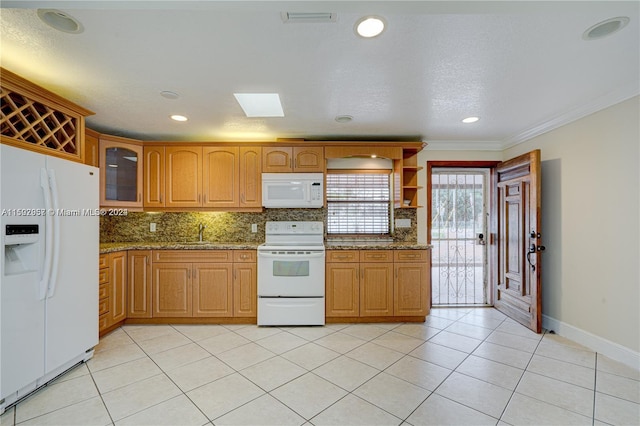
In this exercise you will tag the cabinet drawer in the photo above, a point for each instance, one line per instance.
(411, 255)
(103, 261)
(199, 256)
(103, 291)
(103, 276)
(103, 322)
(376, 256)
(103, 306)
(244, 256)
(342, 256)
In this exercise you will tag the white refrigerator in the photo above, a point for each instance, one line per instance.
(49, 226)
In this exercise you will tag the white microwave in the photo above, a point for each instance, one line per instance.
(293, 190)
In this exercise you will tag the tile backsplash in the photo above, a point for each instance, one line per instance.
(219, 226)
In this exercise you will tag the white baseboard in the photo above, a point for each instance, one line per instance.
(593, 342)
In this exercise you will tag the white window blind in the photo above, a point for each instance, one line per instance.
(358, 203)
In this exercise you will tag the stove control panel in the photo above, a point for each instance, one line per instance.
(293, 228)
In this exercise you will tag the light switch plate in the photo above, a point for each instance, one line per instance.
(403, 223)
(152, 227)
(254, 227)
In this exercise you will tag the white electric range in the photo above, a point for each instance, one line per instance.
(291, 274)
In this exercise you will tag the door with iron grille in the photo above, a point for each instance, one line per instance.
(459, 216)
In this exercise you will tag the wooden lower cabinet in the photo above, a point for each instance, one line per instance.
(146, 284)
(103, 293)
(139, 284)
(411, 286)
(377, 283)
(376, 289)
(172, 290)
(212, 290)
(118, 293)
(112, 299)
(245, 298)
(342, 295)
(204, 283)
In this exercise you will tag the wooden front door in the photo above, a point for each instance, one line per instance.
(517, 292)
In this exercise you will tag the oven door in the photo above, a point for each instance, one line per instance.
(290, 272)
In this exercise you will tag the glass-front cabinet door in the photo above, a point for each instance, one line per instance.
(120, 173)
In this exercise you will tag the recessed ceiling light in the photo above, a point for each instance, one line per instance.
(60, 21)
(469, 120)
(343, 118)
(177, 117)
(260, 104)
(169, 95)
(605, 28)
(370, 26)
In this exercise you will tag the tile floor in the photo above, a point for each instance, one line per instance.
(462, 366)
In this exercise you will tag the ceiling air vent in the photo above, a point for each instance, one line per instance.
(308, 17)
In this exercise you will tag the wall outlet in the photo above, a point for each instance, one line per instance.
(254, 227)
(403, 223)
(152, 227)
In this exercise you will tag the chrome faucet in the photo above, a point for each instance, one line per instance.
(200, 231)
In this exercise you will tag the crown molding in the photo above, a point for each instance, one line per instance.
(598, 104)
(443, 145)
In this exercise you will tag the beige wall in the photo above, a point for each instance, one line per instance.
(591, 222)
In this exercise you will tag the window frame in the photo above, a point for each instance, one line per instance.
(390, 203)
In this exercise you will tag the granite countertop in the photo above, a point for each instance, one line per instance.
(374, 245)
(208, 245)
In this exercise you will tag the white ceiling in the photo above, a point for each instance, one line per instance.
(520, 66)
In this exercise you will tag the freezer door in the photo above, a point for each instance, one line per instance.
(21, 310)
(72, 305)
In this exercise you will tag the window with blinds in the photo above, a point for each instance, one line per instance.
(358, 202)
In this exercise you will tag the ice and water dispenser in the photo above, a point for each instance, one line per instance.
(21, 247)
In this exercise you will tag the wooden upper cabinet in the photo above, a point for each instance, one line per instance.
(120, 172)
(293, 159)
(308, 159)
(277, 159)
(154, 176)
(91, 148)
(36, 119)
(183, 176)
(250, 177)
(220, 174)
(213, 177)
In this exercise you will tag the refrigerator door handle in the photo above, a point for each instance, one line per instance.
(48, 239)
(56, 233)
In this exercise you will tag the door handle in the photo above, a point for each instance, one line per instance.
(532, 249)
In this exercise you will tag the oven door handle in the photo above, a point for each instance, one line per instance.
(313, 255)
